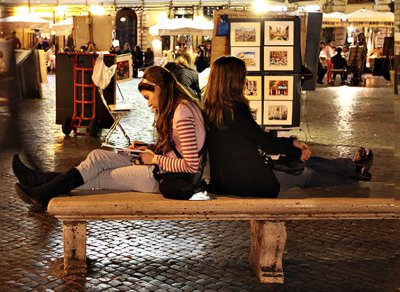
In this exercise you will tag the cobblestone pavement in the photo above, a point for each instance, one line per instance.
(204, 256)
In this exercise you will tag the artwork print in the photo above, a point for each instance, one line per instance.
(279, 33)
(278, 112)
(278, 58)
(253, 88)
(245, 34)
(256, 106)
(278, 87)
(124, 68)
(250, 55)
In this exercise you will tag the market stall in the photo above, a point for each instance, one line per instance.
(188, 30)
(24, 24)
(63, 27)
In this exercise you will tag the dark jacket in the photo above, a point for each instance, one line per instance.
(236, 168)
(187, 77)
(338, 62)
(137, 57)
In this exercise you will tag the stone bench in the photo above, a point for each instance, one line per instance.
(266, 216)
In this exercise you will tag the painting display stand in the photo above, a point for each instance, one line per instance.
(270, 47)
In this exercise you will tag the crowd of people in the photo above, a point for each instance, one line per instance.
(335, 60)
(237, 147)
(197, 61)
(331, 57)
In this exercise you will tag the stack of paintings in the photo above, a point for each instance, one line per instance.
(267, 47)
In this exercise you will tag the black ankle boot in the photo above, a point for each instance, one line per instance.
(40, 196)
(29, 177)
(364, 163)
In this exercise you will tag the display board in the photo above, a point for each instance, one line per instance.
(271, 49)
(93, 28)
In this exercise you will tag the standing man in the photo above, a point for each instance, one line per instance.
(16, 43)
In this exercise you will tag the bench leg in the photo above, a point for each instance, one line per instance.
(74, 234)
(268, 239)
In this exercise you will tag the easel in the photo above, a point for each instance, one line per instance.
(356, 60)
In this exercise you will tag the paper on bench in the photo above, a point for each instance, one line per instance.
(122, 150)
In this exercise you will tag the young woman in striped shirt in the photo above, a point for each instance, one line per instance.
(179, 124)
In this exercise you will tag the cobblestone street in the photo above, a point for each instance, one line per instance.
(357, 255)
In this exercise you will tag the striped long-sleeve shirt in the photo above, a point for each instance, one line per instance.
(188, 134)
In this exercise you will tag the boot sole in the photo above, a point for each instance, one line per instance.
(370, 157)
(24, 197)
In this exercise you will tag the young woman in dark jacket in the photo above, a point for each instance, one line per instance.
(235, 141)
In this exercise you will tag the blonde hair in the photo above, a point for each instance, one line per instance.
(185, 61)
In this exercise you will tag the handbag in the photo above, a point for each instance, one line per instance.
(181, 185)
(283, 163)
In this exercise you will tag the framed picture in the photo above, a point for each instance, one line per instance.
(278, 58)
(250, 55)
(278, 87)
(124, 68)
(245, 34)
(256, 105)
(253, 88)
(278, 33)
(278, 112)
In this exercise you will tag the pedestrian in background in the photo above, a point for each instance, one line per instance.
(148, 58)
(184, 72)
(137, 60)
(329, 52)
(126, 49)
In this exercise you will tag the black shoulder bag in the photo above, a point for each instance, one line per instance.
(181, 185)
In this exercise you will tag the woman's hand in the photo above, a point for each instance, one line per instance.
(139, 145)
(305, 150)
(148, 157)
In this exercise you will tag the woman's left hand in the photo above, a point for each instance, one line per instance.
(305, 150)
(147, 156)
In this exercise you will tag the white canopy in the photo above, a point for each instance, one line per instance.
(334, 19)
(364, 15)
(63, 27)
(25, 21)
(182, 26)
(369, 18)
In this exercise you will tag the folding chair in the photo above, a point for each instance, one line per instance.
(101, 77)
(117, 111)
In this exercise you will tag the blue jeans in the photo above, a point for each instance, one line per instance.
(319, 172)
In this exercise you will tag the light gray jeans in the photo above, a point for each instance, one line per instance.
(108, 170)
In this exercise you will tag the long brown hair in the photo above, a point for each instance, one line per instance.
(225, 87)
(171, 94)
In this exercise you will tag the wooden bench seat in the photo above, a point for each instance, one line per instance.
(266, 216)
